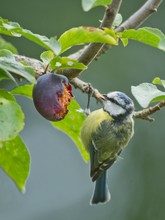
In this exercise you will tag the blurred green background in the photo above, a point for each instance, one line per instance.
(59, 186)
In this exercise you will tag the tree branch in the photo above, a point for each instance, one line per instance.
(87, 88)
(144, 114)
(88, 54)
(37, 65)
(140, 15)
(135, 20)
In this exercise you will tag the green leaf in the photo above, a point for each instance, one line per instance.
(151, 36)
(83, 35)
(49, 44)
(65, 62)
(15, 161)
(8, 63)
(11, 117)
(4, 74)
(47, 56)
(118, 20)
(6, 45)
(25, 90)
(9, 28)
(89, 4)
(71, 125)
(146, 93)
(124, 41)
(6, 95)
(14, 29)
(158, 81)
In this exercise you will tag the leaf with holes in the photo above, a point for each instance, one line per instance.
(65, 62)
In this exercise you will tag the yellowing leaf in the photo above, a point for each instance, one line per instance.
(83, 35)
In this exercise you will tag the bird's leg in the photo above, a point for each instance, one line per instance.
(90, 93)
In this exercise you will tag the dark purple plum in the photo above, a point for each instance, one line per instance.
(51, 95)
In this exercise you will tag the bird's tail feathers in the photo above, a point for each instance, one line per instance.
(101, 192)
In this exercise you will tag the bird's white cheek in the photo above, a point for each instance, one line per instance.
(114, 109)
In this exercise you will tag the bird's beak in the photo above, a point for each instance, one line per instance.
(105, 96)
(100, 97)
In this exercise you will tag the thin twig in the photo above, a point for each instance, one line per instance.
(140, 15)
(145, 113)
(84, 87)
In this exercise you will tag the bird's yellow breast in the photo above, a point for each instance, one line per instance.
(91, 123)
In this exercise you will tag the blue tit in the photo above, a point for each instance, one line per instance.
(105, 132)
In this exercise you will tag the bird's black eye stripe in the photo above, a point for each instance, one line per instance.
(113, 101)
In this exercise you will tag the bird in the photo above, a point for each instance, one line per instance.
(105, 133)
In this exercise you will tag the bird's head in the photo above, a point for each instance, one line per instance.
(118, 105)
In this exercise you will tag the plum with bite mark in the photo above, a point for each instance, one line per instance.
(51, 95)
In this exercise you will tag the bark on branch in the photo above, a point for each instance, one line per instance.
(145, 113)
